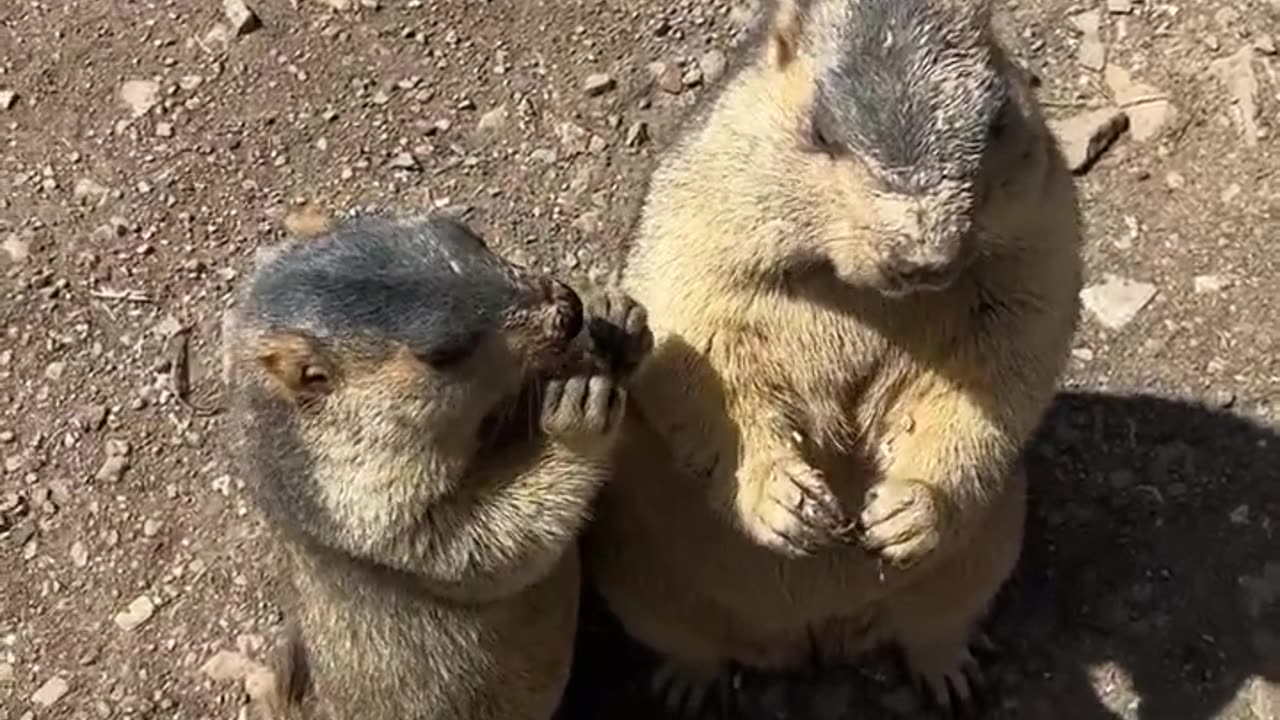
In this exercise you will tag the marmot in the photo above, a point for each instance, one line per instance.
(424, 428)
(861, 265)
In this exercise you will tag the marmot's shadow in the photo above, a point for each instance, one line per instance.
(1151, 561)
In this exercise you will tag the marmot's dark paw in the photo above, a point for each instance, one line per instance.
(583, 410)
(793, 511)
(619, 326)
(953, 681)
(901, 521)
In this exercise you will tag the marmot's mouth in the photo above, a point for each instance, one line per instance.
(513, 419)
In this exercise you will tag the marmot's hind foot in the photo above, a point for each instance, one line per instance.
(686, 692)
(953, 681)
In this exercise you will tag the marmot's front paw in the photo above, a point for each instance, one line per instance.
(620, 328)
(790, 508)
(583, 412)
(901, 520)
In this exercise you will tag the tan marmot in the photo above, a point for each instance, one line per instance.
(861, 266)
(423, 427)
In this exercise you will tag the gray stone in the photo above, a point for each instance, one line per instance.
(1117, 300)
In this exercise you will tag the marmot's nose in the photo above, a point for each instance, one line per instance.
(566, 308)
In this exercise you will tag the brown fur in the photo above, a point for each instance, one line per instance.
(855, 447)
(428, 535)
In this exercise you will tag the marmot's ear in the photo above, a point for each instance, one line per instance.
(785, 28)
(297, 364)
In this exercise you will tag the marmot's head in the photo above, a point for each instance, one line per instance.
(911, 135)
(383, 354)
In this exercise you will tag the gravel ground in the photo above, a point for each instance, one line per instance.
(149, 147)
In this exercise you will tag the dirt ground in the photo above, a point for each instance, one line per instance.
(144, 154)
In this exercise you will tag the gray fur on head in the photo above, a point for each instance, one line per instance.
(428, 283)
(912, 85)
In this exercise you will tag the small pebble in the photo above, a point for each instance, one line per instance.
(79, 554)
(713, 64)
(404, 161)
(1204, 284)
(54, 689)
(139, 611)
(140, 96)
(598, 84)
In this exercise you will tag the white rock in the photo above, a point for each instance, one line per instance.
(242, 17)
(713, 64)
(79, 554)
(138, 612)
(1204, 284)
(495, 119)
(1148, 107)
(90, 190)
(337, 4)
(598, 84)
(14, 250)
(1092, 54)
(54, 689)
(1236, 74)
(1117, 300)
(8, 98)
(6, 672)
(140, 96)
(226, 665)
(1084, 137)
(404, 161)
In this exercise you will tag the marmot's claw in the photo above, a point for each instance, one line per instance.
(797, 514)
(582, 410)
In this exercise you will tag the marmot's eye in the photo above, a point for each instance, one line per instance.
(820, 138)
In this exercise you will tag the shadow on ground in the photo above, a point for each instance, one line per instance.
(1151, 560)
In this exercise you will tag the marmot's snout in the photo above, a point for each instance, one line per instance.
(546, 322)
(926, 245)
(564, 312)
